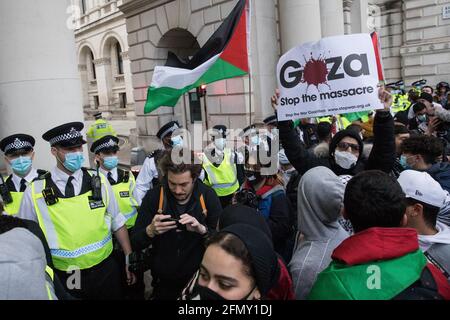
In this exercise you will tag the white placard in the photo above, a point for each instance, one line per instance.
(335, 75)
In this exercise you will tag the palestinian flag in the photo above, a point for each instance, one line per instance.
(223, 56)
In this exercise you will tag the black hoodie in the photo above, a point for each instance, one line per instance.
(382, 156)
(175, 255)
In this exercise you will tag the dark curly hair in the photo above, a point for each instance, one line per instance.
(374, 199)
(167, 164)
(428, 147)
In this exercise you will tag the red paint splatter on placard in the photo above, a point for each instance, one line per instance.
(315, 72)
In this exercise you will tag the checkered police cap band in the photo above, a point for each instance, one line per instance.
(170, 130)
(110, 144)
(18, 145)
(72, 134)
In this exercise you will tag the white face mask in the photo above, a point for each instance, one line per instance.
(220, 143)
(345, 160)
(287, 174)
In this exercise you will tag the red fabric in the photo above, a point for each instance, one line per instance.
(263, 190)
(283, 290)
(236, 51)
(441, 281)
(376, 244)
(377, 48)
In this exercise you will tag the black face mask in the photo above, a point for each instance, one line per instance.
(203, 293)
(254, 178)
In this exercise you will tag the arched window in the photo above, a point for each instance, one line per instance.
(119, 59)
(94, 74)
(83, 6)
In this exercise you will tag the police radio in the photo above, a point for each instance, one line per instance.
(4, 191)
(50, 196)
(96, 186)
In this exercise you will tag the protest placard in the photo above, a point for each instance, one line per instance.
(335, 75)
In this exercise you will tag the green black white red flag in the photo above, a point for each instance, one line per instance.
(224, 56)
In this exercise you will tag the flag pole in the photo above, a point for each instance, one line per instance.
(250, 96)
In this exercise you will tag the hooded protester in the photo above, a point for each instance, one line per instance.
(23, 273)
(346, 147)
(318, 214)
(263, 180)
(424, 198)
(239, 264)
(382, 260)
(235, 214)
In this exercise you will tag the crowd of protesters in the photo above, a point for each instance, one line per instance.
(344, 210)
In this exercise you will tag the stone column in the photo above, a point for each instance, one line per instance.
(39, 81)
(264, 57)
(104, 80)
(332, 17)
(359, 16)
(299, 22)
(127, 77)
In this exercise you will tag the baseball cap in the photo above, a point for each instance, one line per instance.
(422, 187)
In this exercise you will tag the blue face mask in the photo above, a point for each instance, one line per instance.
(404, 164)
(111, 162)
(422, 118)
(21, 165)
(74, 161)
(177, 141)
(255, 140)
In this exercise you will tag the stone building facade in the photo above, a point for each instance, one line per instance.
(103, 62)
(415, 38)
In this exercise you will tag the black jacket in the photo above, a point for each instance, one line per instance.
(175, 255)
(382, 156)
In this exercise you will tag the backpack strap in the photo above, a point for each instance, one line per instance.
(161, 200)
(202, 203)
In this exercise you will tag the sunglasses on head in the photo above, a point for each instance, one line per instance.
(345, 146)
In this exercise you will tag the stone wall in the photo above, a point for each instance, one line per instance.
(426, 48)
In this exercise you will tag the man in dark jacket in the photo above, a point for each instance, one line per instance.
(346, 147)
(381, 261)
(424, 153)
(174, 220)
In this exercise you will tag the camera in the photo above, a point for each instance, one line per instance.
(139, 262)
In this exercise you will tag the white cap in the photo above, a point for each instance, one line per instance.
(422, 187)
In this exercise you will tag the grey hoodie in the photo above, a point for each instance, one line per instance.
(22, 267)
(320, 198)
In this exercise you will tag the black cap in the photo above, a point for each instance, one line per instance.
(443, 84)
(272, 120)
(167, 129)
(105, 144)
(419, 83)
(98, 115)
(221, 129)
(260, 248)
(17, 142)
(426, 96)
(239, 213)
(66, 135)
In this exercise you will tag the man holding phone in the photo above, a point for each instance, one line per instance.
(182, 212)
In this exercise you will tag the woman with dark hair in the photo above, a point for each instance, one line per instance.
(239, 264)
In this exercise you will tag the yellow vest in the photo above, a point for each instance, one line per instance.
(12, 209)
(223, 179)
(128, 205)
(77, 229)
(100, 129)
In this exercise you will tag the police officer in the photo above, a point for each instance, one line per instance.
(220, 165)
(19, 154)
(124, 186)
(148, 175)
(77, 212)
(100, 128)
